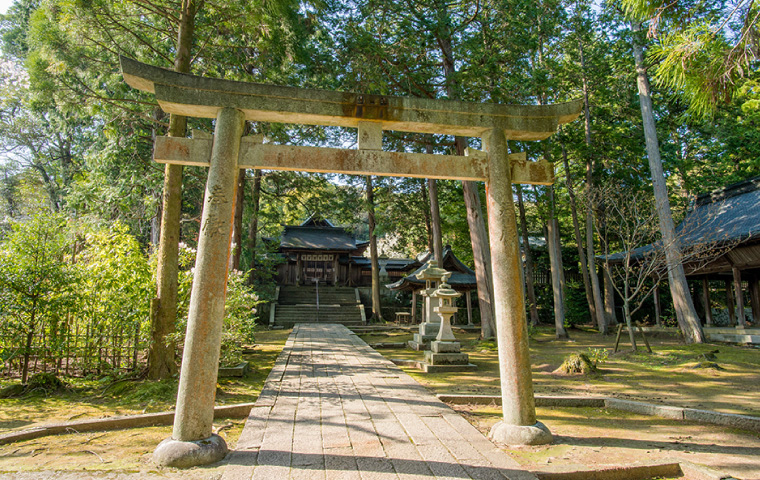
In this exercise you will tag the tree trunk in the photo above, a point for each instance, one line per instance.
(377, 314)
(529, 278)
(28, 346)
(687, 317)
(475, 220)
(254, 227)
(609, 298)
(481, 257)
(578, 238)
(236, 240)
(435, 215)
(424, 196)
(590, 257)
(598, 309)
(628, 320)
(161, 356)
(435, 221)
(555, 259)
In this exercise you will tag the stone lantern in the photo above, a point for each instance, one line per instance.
(430, 326)
(446, 309)
(445, 354)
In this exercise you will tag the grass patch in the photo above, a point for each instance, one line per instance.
(665, 376)
(86, 398)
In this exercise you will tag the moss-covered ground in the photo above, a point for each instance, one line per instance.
(126, 450)
(585, 437)
(588, 438)
(665, 376)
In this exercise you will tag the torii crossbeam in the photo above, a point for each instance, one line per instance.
(231, 103)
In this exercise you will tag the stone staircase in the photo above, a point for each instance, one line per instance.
(297, 304)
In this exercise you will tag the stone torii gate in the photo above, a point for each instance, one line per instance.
(232, 103)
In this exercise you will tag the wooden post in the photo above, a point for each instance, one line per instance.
(468, 299)
(730, 304)
(657, 311)
(706, 301)
(740, 319)
(646, 342)
(617, 337)
(414, 307)
(754, 298)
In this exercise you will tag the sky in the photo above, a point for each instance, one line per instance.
(4, 4)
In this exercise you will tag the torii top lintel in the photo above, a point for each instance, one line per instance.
(196, 96)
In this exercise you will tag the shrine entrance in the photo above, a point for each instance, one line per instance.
(318, 268)
(232, 103)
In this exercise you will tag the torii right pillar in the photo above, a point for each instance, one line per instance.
(518, 425)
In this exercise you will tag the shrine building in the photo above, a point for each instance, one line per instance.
(317, 250)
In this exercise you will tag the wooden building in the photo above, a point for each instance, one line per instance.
(317, 250)
(720, 236)
(728, 218)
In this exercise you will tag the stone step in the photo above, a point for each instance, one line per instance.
(290, 322)
(322, 301)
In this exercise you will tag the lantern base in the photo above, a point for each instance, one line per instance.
(433, 358)
(445, 347)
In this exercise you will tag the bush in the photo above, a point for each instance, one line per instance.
(576, 312)
(240, 309)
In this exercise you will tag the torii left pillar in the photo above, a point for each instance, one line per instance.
(193, 442)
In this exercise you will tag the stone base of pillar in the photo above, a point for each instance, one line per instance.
(446, 358)
(445, 347)
(179, 454)
(507, 434)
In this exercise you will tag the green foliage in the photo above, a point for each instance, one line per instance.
(597, 355)
(75, 296)
(115, 289)
(46, 382)
(705, 50)
(239, 318)
(35, 281)
(576, 308)
(240, 309)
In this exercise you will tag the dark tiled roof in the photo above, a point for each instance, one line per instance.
(462, 276)
(317, 238)
(731, 214)
(390, 263)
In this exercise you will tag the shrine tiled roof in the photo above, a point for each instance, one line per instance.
(727, 215)
(462, 277)
(317, 238)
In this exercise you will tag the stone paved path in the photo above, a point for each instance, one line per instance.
(333, 408)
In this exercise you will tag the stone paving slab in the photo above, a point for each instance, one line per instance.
(333, 408)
